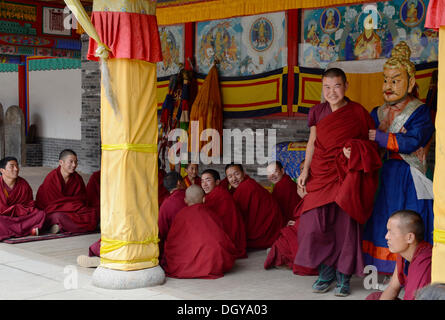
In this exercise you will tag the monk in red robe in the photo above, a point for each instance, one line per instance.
(405, 237)
(221, 202)
(93, 193)
(18, 215)
(63, 197)
(192, 175)
(174, 183)
(285, 190)
(341, 177)
(162, 191)
(260, 211)
(197, 245)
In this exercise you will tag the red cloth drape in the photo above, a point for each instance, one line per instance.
(261, 213)
(197, 246)
(66, 203)
(419, 274)
(332, 178)
(435, 15)
(285, 192)
(128, 35)
(221, 202)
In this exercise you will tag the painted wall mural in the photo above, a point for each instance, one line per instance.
(243, 46)
(172, 43)
(366, 31)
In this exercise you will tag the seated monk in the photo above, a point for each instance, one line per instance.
(63, 197)
(413, 262)
(18, 215)
(174, 183)
(285, 190)
(260, 211)
(192, 175)
(93, 193)
(197, 245)
(221, 202)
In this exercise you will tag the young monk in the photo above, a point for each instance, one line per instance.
(197, 245)
(63, 197)
(285, 190)
(261, 213)
(405, 238)
(18, 215)
(174, 183)
(221, 202)
(192, 175)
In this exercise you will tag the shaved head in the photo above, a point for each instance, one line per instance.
(410, 222)
(66, 152)
(194, 194)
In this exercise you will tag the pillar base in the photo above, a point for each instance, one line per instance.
(116, 279)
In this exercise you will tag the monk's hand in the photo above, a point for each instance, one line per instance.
(347, 152)
(301, 181)
(372, 134)
(291, 223)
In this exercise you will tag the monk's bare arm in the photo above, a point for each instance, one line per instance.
(308, 157)
(393, 289)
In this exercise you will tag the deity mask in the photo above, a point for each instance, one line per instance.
(396, 85)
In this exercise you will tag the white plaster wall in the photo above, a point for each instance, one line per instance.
(55, 103)
(9, 93)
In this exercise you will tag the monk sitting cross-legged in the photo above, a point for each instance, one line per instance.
(221, 202)
(261, 213)
(63, 197)
(197, 245)
(18, 215)
(413, 262)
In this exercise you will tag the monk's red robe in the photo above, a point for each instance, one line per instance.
(261, 213)
(65, 204)
(197, 246)
(162, 191)
(188, 183)
(167, 213)
(415, 275)
(18, 214)
(221, 202)
(93, 193)
(285, 192)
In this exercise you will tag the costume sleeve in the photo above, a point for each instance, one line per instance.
(419, 129)
(375, 117)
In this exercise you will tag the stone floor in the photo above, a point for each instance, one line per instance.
(45, 269)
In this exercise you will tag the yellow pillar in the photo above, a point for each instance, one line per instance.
(438, 260)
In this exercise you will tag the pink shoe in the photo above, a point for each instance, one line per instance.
(35, 232)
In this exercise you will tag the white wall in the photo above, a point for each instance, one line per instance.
(55, 100)
(9, 92)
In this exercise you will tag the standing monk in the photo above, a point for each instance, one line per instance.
(285, 190)
(404, 129)
(341, 177)
(18, 215)
(197, 245)
(192, 175)
(221, 202)
(63, 197)
(260, 211)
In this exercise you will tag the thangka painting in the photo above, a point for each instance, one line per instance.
(172, 43)
(366, 31)
(242, 46)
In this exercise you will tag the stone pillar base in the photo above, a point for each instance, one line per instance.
(116, 279)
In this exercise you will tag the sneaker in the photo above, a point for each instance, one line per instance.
(35, 232)
(54, 228)
(88, 262)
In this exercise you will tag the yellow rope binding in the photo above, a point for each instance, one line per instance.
(148, 148)
(439, 236)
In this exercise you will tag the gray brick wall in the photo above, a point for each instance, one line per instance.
(51, 148)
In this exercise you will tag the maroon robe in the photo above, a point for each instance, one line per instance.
(221, 202)
(167, 213)
(162, 191)
(188, 183)
(418, 274)
(261, 213)
(93, 193)
(286, 194)
(65, 204)
(18, 214)
(197, 246)
(340, 190)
